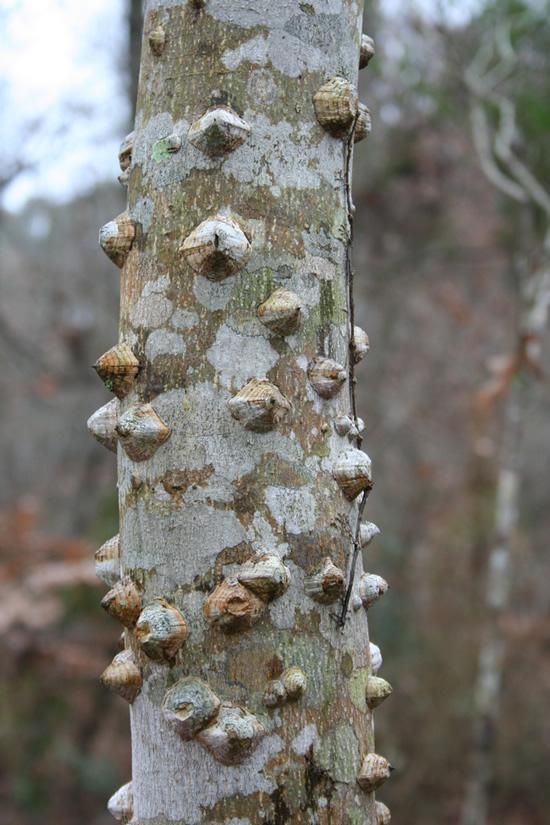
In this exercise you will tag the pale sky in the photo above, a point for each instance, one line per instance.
(60, 69)
(455, 12)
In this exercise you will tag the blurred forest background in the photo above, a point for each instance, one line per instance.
(442, 249)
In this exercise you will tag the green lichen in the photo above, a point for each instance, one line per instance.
(357, 816)
(318, 663)
(161, 150)
(346, 665)
(330, 312)
(339, 754)
(326, 302)
(320, 448)
(358, 686)
(252, 288)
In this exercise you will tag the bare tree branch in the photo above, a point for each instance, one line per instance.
(482, 140)
(504, 139)
(518, 182)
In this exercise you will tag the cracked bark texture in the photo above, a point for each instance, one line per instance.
(216, 494)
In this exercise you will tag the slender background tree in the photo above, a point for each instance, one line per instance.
(134, 17)
(499, 147)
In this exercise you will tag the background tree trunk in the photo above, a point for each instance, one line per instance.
(496, 59)
(213, 480)
(134, 13)
(515, 381)
(492, 647)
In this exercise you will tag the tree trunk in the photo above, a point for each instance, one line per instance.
(135, 30)
(509, 174)
(238, 443)
(515, 380)
(492, 647)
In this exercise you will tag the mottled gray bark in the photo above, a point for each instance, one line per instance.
(239, 463)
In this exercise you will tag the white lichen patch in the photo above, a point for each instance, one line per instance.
(153, 311)
(217, 440)
(215, 489)
(263, 12)
(269, 163)
(286, 53)
(293, 509)
(314, 464)
(263, 540)
(184, 319)
(131, 338)
(282, 611)
(256, 357)
(142, 213)
(160, 493)
(163, 342)
(320, 241)
(322, 268)
(307, 738)
(302, 362)
(201, 532)
(156, 287)
(152, 308)
(213, 295)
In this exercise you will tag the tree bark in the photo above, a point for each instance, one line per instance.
(239, 467)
